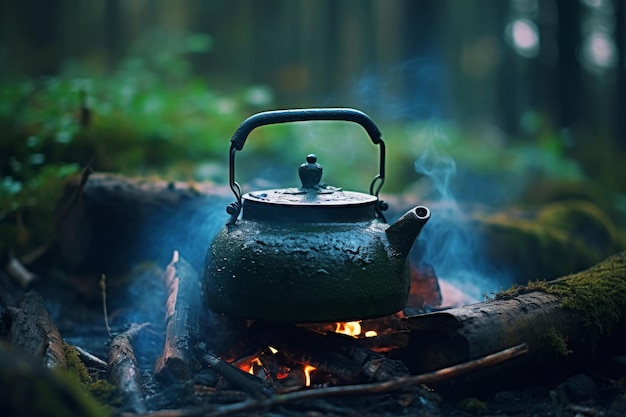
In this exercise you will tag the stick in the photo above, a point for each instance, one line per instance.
(124, 371)
(184, 302)
(237, 377)
(363, 389)
(90, 359)
(103, 289)
(18, 272)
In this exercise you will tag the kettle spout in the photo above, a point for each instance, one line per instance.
(405, 231)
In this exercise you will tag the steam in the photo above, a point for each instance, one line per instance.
(448, 242)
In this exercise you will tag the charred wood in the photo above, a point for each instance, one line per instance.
(124, 372)
(405, 383)
(238, 378)
(343, 356)
(183, 306)
(34, 333)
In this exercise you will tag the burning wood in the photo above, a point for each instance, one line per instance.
(342, 356)
(183, 304)
(237, 377)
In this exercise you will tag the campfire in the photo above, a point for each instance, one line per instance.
(309, 296)
(188, 360)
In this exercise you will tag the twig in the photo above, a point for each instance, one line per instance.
(89, 358)
(103, 288)
(362, 389)
(18, 272)
(84, 176)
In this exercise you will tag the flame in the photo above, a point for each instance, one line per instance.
(254, 361)
(371, 333)
(307, 374)
(350, 328)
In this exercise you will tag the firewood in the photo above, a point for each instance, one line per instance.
(34, 333)
(568, 320)
(184, 303)
(123, 370)
(238, 378)
(398, 384)
(343, 356)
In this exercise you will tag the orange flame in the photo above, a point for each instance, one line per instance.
(307, 374)
(350, 328)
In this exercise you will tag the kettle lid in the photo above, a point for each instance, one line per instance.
(310, 202)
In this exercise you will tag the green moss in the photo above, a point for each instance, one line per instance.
(100, 389)
(562, 237)
(598, 294)
(75, 365)
(473, 406)
(553, 343)
(105, 392)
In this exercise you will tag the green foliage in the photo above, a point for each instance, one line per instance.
(147, 116)
(150, 116)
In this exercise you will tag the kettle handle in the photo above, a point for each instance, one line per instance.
(300, 115)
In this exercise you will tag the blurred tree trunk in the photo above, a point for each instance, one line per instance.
(568, 74)
(620, 99)
(474, 54)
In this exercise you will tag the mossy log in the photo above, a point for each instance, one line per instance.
(108, 222)
(571, 320)
(547, 243)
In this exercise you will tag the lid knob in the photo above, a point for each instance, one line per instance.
(310, 172)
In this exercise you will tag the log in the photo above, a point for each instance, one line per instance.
(123, 370)
(570, 320)
(109, 222)
(34, 333)
(184, 304)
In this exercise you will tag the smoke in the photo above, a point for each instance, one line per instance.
(412, 90)
(448, 242)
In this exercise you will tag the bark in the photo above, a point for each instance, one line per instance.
(184, 304)
(571, 320)
(34, 334)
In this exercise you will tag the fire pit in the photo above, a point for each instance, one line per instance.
(145, 341)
